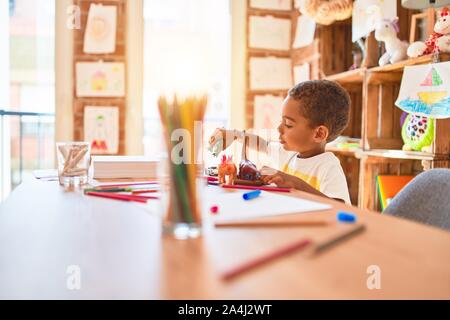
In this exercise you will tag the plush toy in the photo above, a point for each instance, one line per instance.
(227, 168)
(439, 41)
(326, 11)
(417, 132)
(386, 30)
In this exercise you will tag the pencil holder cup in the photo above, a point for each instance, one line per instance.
(73, 162)
(181, 175)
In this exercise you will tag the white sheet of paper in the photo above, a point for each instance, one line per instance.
(100, 35)
(100, 79)
(267, 111)
(46, 174)
(271, 4)
(269, 33)
(302, 73)
(425, 90)
(233, 207)
(363, 23)
(304, 33)
(270, 73)
(101, 129)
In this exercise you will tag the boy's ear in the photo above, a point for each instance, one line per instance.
(321, 134)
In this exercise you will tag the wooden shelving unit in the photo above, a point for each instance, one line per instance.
(355, 76)
(397, 67)
(406, 155)
(374, 117)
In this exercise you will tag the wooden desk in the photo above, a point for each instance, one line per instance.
(120, 251)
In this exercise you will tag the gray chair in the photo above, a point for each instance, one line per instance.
(425, 199)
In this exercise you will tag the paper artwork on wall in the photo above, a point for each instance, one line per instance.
(302, 73)
(269, 33)
(363, 20)
(425, 90)
(270, 73)
(100, 35)
(271, 4)
(101, 129)
(100, 79)
(267, 111)
(304, 33)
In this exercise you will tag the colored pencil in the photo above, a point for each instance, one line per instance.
(262, 224)
(144, 191)
(115, 196)
(182, 114)
(107, 190)
(285, 250)
(235, 186)
(125, 185)
(321, 246)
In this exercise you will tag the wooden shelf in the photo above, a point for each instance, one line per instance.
(399, 66)
(406, 155)
(348, 77)
(346, 152)
(274, 92)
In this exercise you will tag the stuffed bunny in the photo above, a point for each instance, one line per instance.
(386, 30)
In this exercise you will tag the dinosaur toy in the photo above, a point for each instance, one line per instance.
(226, 168)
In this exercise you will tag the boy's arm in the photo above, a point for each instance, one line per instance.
(282, 179)
(227, 137)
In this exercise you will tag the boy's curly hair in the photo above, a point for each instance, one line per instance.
(323, 102)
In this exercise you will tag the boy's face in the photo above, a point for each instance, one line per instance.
(296, 134)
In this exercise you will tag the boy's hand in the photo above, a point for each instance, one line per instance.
(216, 141)
(220, 140)
(281, 179)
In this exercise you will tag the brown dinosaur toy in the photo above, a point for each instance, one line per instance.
(226, 168)
(248, 173)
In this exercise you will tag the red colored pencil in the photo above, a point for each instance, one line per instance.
(236, 186)
(148, 197)
(298, 245)
(123, 197)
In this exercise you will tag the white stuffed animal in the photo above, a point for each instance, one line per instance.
(439, 41)
(386, 31)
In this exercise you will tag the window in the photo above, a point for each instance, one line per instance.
(28, 115)
(186, 45)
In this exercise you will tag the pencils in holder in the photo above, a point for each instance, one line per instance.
(185, 114)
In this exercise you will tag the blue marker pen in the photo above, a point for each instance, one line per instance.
(251, 195)
(346, 217)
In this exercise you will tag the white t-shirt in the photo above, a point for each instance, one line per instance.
(323, 171)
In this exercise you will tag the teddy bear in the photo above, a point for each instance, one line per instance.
(439, 41)
(326, 11)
